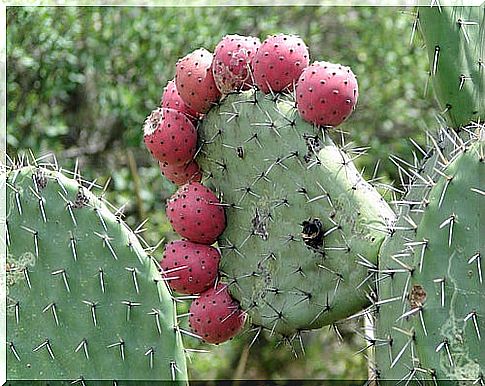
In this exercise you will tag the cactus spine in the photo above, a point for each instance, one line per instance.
(85, 301)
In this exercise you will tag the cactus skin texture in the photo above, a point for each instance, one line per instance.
(276, 172)
(66, 252)
(455, 41)
(431, 317)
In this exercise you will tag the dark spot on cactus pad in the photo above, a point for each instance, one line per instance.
(417, 296)
(240, 151)
(313, 146)
(259, 223)
(81, 199)
(312, 232)
(40, 179)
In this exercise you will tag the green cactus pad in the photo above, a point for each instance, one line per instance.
(455, 40)
(84, 299)
(431, 290)
(274, 172)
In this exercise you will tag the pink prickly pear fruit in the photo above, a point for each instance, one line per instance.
(171, 100)
(181, 174)
(195, 82)
(326, 93)
(190, 268)
(196, 214)
(279, 62)
(215, 316)
(170, 136)
(231, 66)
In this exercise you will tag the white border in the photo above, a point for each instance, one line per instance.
(3, 192)
(240, 3)
(194, 3)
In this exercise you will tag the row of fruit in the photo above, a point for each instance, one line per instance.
(325, 95)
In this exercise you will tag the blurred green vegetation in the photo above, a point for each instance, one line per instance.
(80, 81)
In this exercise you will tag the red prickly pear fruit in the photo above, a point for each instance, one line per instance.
(170, 136)
(195, 82)
(181, 174)
(196, 214)
(231, 66)
(190, 268)
(171, 100)
(215, 316)
(326, 93)
(279, 62)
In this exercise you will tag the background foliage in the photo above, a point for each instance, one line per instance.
(82, 79)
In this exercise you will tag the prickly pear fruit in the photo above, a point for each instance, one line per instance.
(171, 100)
(195, 82)
(279, 62)
(181, 174)
(170, 136)
(326, 93)
(196, 213)
(215, 316)
(190, 268)
(232, 62)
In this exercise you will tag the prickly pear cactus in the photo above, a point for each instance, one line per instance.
(431, 290)
(455, 41)
(303, 228)
(84, 299)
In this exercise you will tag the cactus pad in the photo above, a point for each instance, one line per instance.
(455, 41)
(84, 299)
(431, 289)
(303, 227)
